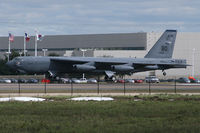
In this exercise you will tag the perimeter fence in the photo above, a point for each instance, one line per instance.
(100, 87)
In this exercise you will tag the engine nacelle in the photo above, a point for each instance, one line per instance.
(152, 67)
(122, 68)
(84, 67)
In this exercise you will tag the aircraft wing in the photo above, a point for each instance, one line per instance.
(159, 65)
(60, 64)
(107, 62)
(109, 65)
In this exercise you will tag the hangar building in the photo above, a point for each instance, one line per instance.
(61, 43)
(134, 45)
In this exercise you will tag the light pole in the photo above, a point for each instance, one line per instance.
(193, 55)
(36, 42)
(20, 53)
(83, 50)
(8, 55)
(25, 45)
(44, 50)
(25, 52)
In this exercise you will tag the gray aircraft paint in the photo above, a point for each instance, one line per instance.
(164, 46)
(158, 58)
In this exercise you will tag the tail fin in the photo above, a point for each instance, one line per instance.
(164, 47)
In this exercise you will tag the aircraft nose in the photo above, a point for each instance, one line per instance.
(9, 64)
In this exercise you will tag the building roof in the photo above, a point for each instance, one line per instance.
(63, 42)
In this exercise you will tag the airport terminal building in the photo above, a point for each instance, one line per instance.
(131, 45)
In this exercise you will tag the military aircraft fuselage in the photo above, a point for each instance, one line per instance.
(44, 64)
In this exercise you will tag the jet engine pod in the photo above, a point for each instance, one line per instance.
(84, 67)
(122, 68)
(152, 67)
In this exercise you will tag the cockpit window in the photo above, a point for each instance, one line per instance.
(18, 59)
(18, 63)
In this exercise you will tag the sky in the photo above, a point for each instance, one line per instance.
(66, 17)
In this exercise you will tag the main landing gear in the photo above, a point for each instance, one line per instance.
(112, 78)
(164, 73)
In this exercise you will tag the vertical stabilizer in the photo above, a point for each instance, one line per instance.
(164, 47)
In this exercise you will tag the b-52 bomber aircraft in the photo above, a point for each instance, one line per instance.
(158, 58)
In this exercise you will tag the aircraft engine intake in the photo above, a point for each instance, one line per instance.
(122, 68)
(84, 67)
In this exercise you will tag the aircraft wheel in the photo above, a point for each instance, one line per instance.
(164, 73)
(113, 78)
